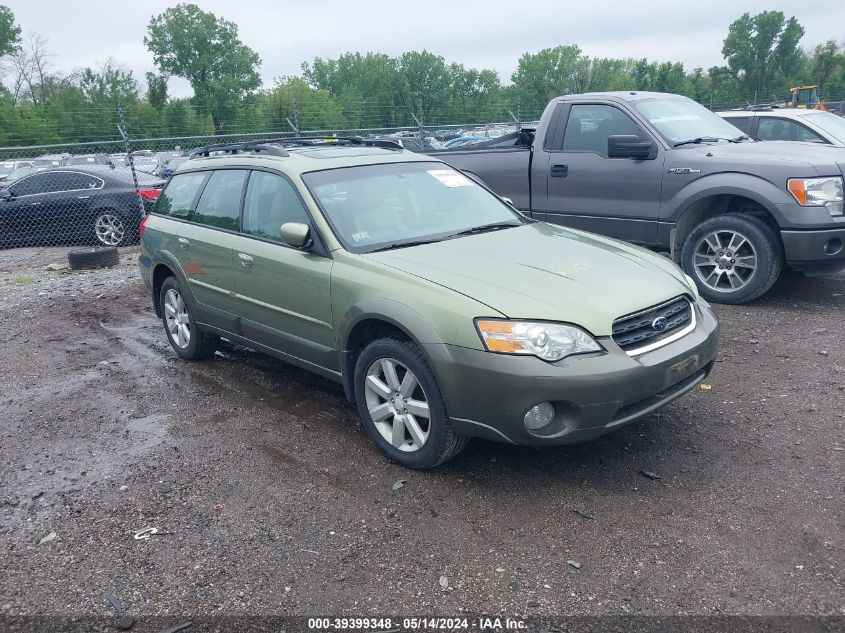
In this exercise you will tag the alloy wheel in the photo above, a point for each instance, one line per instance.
(176, 318)
(725, 261)
(109, 229)
(397, 405)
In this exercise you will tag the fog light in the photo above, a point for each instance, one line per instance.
(539, 416)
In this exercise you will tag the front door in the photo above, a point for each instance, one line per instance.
(619, 197)
(283, 293)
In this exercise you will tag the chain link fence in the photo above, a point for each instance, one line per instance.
(86, 193)
(96, 193)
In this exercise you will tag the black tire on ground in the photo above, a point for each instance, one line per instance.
(443, 442)
(200, 345)
(96, 257)
(760, 238)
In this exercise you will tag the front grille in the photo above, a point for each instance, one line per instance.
(637, 330)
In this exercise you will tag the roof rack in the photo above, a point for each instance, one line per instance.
(274, 146)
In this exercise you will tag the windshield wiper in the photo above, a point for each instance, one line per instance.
(394, 245)
(485, 228)
(710, 139)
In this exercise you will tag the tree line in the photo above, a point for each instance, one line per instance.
(39, 104)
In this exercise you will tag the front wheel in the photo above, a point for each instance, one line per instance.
(401, 406)
(733, 258)
(185, 337)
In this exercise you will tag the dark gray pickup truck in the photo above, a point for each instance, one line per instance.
(663, 171)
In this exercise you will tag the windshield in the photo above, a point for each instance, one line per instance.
(679, 120)
(380, 206)
(830, 123)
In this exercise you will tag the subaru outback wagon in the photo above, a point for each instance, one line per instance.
(444, 312)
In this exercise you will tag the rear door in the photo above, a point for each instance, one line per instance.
(619, 197)
(204, 246)
(283, 293)
(46, 209)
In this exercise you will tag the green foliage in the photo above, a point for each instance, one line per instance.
(188, 42)
(762, 53)
(10, 33)
(367, 90)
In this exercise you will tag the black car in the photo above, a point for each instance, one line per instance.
(71, 205)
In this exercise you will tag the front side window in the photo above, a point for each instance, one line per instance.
(179, 195)
(778, 129)
(374, 207)
(220, 203)
(589, 126)
(678, 119)
(270, 202)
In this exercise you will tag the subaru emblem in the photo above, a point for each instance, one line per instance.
(659, 324)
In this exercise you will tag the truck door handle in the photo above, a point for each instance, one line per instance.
(559, 171)
(246, 260)
(184, 243)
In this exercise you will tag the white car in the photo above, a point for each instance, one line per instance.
(789, 124)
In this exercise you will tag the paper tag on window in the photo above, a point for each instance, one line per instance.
(450, 177)
(360, 235)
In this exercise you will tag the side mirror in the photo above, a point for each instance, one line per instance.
(296, 235)
(5, 194)
(630, 146)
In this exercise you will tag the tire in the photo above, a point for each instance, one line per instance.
(186, 339)
(111, 229)
(441, 442)
(719, 254)
(96, 257)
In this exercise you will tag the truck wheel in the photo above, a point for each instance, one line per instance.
(401, 406)
(733, 258)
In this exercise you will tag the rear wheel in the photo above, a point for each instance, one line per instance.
(185, 337)
(732, 258)
(401, 406)
(110, 229)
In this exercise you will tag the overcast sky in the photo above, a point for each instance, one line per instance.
(489, 33)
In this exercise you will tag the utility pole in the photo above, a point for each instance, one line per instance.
(121, 128)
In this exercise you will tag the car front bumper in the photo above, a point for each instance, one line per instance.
(487, 395)
(815, 251)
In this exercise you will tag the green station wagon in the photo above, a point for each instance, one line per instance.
(445, 313)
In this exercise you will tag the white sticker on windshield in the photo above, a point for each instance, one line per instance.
(360, 235)
(450, 177)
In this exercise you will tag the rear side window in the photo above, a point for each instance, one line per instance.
(742, 123)
(178, 197)
(220, 202)
(270, 202)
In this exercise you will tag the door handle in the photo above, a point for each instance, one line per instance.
(184, 243)
(82, 197)
(246, 260)
(559, 171)
(34, 204)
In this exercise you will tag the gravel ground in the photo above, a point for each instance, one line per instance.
(269, 499)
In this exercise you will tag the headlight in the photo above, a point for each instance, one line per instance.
(693, 287)
(549, 341)
(818, 192)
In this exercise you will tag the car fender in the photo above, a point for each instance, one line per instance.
(750, 186)
(168, 259)
(399, 315)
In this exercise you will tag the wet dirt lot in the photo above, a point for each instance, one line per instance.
(269, 499)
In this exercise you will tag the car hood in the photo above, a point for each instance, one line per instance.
(546, 272)
(825, 158)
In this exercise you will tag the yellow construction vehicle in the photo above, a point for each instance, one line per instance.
(806, 98)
